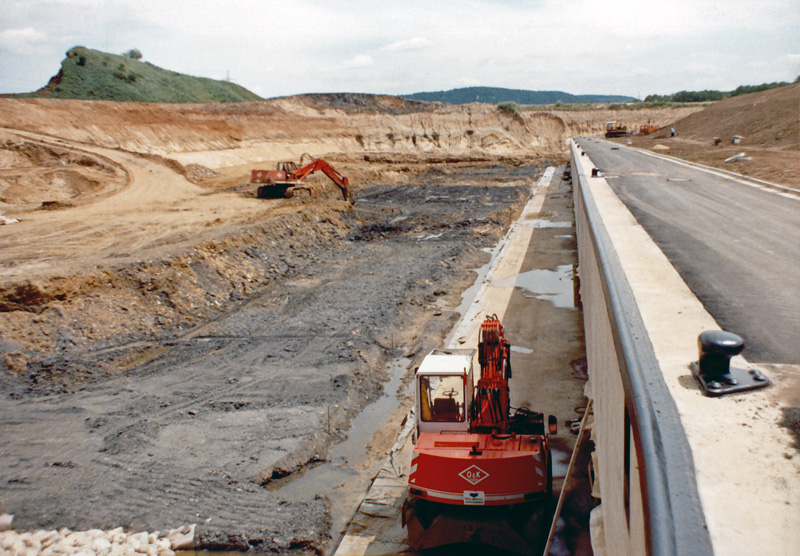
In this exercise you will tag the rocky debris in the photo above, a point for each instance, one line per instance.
(114, 542)
(196, 172)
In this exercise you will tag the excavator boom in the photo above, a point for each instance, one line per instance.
(318, 164)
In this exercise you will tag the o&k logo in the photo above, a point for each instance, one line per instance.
(473, 474)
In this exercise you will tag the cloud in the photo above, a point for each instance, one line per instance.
(24, 41)
(408, 45)
(793, 61)
(467, 82)
(360, 61)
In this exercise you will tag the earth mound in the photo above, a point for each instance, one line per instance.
(761, 125)
(88, 74)
(765, 119)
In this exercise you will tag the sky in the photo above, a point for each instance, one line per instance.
(285, 47)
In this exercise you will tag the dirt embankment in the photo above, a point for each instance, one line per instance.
(279, 129)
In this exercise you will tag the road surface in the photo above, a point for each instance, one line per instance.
(734, 244)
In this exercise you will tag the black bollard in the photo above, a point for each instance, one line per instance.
(713, 370)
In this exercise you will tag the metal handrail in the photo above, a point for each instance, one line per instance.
(674, 520)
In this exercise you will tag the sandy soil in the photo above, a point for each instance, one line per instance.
(172, 345)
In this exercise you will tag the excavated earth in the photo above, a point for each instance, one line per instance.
(177, 351)
(204, 417)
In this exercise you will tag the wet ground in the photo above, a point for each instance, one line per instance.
(240, 424)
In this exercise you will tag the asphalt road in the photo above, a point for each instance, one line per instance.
(735, 245)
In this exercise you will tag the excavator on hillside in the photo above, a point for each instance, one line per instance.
(287, 179)
(479, 474)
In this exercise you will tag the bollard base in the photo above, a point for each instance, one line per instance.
(737, 380)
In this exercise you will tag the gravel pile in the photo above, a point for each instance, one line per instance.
(114, 542)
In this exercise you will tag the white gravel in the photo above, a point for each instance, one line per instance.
(95, 542)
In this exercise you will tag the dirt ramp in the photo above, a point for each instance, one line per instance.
(764, 119)
(44, 173)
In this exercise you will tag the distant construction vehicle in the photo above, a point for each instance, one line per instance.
(614, 129)
(478, 473)
(648, 128)
(287, 179)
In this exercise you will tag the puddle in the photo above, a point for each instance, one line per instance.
(520, 349)
(431, 236)
(555, 286)
(559, 545)
(542, 223)
(371, 418)
(311, 481)
(343, 465)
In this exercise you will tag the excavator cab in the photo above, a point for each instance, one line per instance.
(444, 391)
(442, 398)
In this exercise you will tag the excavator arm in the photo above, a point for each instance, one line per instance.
(318, 164)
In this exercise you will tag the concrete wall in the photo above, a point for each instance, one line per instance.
(621, 507)
(705, 475)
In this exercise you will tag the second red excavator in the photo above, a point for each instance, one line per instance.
(288, 178)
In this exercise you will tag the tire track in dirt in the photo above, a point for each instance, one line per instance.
(156, 207)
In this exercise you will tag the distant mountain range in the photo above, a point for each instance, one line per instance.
(495, 95)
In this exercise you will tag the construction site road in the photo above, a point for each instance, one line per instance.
(734, 243)
(218, 423)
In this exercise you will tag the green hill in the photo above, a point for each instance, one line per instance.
(88, 74)
(495, 95)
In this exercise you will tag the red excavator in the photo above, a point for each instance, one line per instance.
(478, 473)
(648, 128)
(287, 179)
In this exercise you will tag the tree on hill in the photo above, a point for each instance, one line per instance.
(133, 54)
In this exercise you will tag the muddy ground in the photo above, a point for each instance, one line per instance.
(191, 418)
